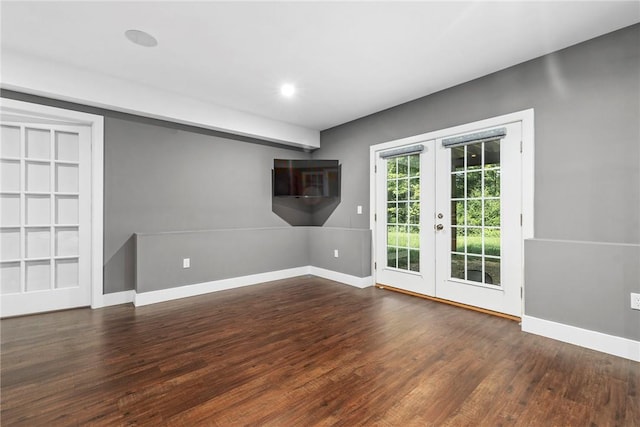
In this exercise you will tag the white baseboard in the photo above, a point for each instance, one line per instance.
(610, 344)
(358, 282)
(115, 298)
(145, 298)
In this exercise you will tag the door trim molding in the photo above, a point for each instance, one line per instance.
(96, 123)
(526, 117)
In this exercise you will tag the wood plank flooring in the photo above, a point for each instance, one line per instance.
(303, 352)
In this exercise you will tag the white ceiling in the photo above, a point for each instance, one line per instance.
(348, 59)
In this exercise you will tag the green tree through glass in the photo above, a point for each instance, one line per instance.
(403, 212)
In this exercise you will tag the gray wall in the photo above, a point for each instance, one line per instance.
(587, 150)
(353, 245)
(573, 282)
(217, 255)
(230, 253)
(159, 179)
(167, 181)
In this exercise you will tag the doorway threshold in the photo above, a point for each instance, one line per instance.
(453, 303)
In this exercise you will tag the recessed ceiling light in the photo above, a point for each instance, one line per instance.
(141, 38)
(287, 90)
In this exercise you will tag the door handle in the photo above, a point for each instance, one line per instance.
(439, 227)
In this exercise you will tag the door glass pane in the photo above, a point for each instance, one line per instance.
(457, 266)
(403, 188)
(457, 159)
(392, 256)
(66, 273)
(475, 212)
(67, 241)
(392, 213)
(474, 269)
(9, 210)
(414, 236)
(458, 239)
(492, 241)
(492, 270)
(403, 166)
(392, 190)
(414, 188)
(414, 213)
(9, 277)
(403, 258)
(38, 177)
(458, 212)
(67, 145)
(10, 244)
(38, 210)
(414, 165)
(38, 275)
(474, 240)
(457, 185)
(492, 212)
(474, 184)
(492, 183)
(414, 260)
(67, 178)
(492, 154)
(38, 242)
(67, 209)
(403, 239)
(474, 156)
(10, 175)
(403, 212)
(392, 235)
(38, 144)
(10, 142)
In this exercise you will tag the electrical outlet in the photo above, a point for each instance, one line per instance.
(335, 253)
(186, 262)
(635, 301)
(359, 210)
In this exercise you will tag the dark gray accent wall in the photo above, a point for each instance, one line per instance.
(160, 179)
(587, 176)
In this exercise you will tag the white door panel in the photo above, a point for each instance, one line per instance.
(45, 217)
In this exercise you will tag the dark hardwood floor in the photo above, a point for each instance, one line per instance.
(303, 352)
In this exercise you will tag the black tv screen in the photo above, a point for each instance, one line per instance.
(306, 178)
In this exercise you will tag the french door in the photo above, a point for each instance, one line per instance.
(448, 217)
(45, 217)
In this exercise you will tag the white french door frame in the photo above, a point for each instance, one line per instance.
(526, 117)
(37, 113)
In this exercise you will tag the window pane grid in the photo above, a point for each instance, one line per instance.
(42, 193)
(475, 212)
(403, 212)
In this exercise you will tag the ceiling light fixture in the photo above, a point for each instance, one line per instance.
(141, 38)
(287, 90)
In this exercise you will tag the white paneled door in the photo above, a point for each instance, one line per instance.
(45, 217)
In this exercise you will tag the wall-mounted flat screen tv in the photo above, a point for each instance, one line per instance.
(306, 178)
